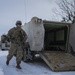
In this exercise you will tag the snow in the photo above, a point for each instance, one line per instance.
(1, 71)
(37, 67)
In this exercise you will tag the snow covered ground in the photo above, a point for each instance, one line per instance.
(37, 67)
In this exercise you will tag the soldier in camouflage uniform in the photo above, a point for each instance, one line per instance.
(17, 37)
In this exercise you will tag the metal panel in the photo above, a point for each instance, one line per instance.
(72, 36)
(59, 61)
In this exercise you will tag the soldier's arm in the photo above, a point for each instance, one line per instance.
(9, 34)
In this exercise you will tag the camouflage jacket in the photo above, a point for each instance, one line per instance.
(17, 35)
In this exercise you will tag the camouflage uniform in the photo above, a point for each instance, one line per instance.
(17, 37)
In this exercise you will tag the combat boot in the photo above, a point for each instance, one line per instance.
(7, 62)
(18, 66)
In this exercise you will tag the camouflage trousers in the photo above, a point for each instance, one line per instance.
(15, 50)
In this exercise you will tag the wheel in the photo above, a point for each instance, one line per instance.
(25, 59)
(33, 55)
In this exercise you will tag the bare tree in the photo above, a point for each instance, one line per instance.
(67, 8)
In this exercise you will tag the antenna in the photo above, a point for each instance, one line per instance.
(25, 11)
(74, 7)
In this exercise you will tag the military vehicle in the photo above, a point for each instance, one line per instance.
(53, 41)
(5, 45)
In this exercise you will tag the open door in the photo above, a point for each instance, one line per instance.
(56, 42)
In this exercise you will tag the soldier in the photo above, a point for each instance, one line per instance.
(17, 37)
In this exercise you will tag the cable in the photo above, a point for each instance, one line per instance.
(25, 11)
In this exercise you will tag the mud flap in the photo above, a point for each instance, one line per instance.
(59, 61)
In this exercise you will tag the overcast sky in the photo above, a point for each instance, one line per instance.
(24, 10)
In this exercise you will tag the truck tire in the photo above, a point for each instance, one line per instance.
(25, 56)
(28, 55)
(33, 55)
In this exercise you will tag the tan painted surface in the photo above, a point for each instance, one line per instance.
(59, 61)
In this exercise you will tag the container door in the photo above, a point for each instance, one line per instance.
(72, 37)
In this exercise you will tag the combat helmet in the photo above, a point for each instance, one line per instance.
(18, 22)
